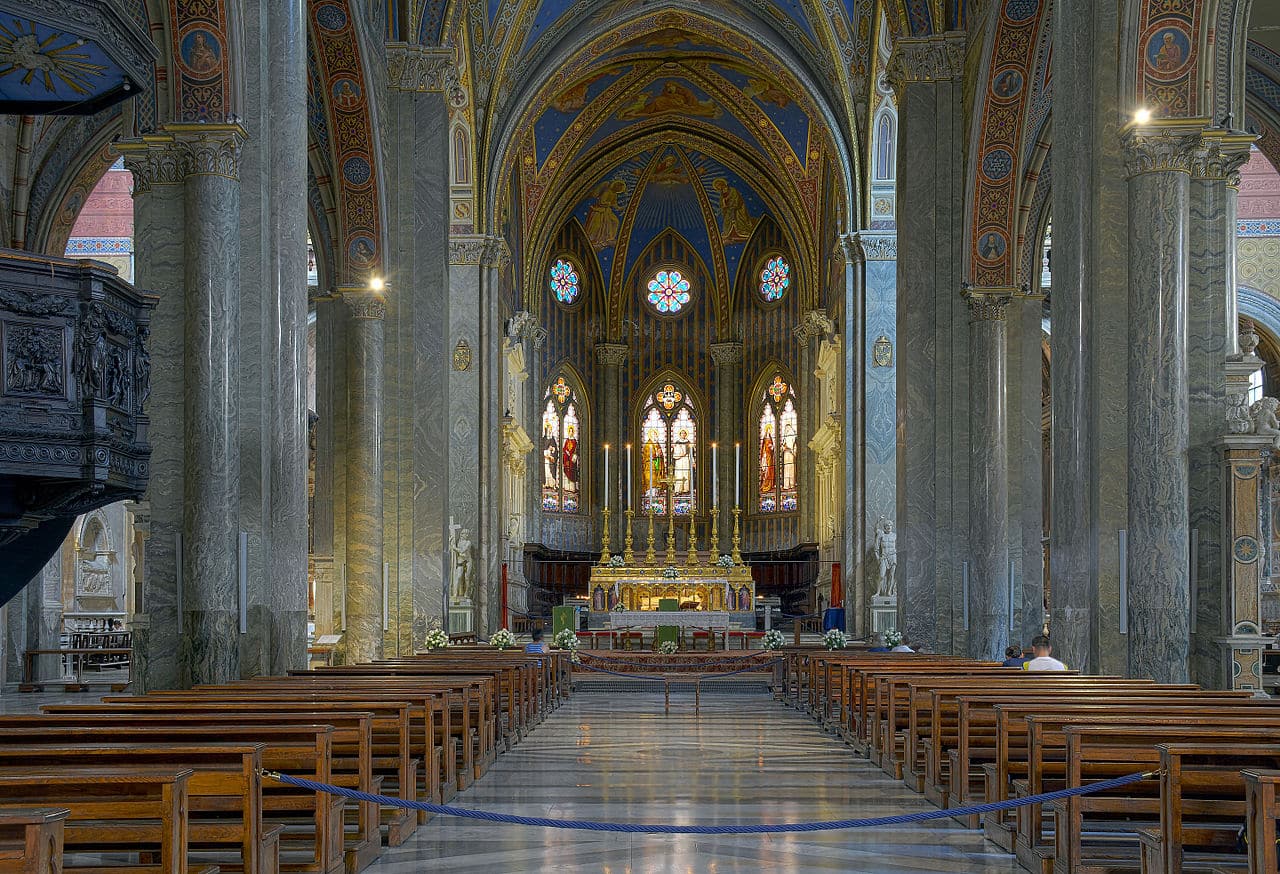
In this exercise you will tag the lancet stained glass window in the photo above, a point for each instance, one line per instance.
(778, 447)
(561, 448)
(669, 291)
(668, 453)
(775, 278)
(565, 284)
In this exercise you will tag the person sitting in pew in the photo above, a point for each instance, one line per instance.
(904, 645)
(537, 646)
(878, 641)
(1013, 657)
(1044, 660)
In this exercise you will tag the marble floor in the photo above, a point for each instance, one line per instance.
(744, 759)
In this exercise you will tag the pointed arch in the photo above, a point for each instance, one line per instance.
(668, 428)
(773, 417)
(563, 443)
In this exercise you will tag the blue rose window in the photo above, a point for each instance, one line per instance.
(775, 278)
(564, 281)
(669, 291)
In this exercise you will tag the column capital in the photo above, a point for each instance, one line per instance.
(1163, 146)
(487, 251)
(724, 354)
(421, 68)
(814, 323)
(873, 245)
(936, 58)
(1224, 153)
(988, 304)
(612, 354)
(524, 326)
(364, 304)
(182, 150)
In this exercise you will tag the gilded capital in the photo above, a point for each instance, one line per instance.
(1163, 146)
(419, 68)
(937, 58)
(723, 354)
(180, 150)
(152, 160)
(612, 354)
(988, 304)
(1223, 155)
(364, 304)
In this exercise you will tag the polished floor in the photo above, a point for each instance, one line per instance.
(746, 758)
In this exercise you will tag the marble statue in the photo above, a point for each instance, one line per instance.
(1265, 421)
(460, 560)
(887, 554)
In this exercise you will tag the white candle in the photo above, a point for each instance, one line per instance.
(737, 475)
(715, 486)
(629, 476)
(606, 476)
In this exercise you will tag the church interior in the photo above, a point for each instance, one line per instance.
(761, 392)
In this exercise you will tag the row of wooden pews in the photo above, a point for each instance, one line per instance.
(963, 732)
(170, 782)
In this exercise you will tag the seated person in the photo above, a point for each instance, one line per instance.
(1013, 657)
(537, 646)
(877, 642)
(1044, 661)
(903, 646)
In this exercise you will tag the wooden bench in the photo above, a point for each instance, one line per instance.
(31, 839)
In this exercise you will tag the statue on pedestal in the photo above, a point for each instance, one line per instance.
(460, 561)
(886, 550)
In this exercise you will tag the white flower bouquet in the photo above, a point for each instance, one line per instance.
(670, 573)
(835, 639)
(565, 639)
(773, 639)
(616, 561)
(502, 639)
(668, 647)
(725, 561)
(892, 638)
(436, 639)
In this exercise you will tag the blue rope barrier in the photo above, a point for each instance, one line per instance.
(750, 829)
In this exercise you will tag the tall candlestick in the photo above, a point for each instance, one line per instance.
(630, 506)
(737, 475)
(715, 485)
(606, 476)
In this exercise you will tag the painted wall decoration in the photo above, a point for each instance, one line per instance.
(993, 253)
(1169, 57)
(339, 63)
(201, 80)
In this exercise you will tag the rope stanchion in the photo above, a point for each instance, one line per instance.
(665, 665)
(747, 829)
(755, 666)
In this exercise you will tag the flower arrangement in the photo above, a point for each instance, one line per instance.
(835, 639)
(436, 639)
(565, 639)
(773, 639)
(725, 561)
(619, 606)
(668, 647)
(892, 638)
(670, 573)
(615, 560)
(502, 639)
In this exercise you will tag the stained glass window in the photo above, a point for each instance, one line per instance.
(775, 278)
(561, 448)
(564, 281)
(669, 291)
(668, 453)
(778, 447)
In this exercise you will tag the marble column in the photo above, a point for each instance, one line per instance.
(1089, 496)
(1211, 338)
(727, 359)
(362, 640)
(989, 598)
(211, 368)
(1026, 465)
(933, 369)
(815, 325)
(611, 357)
(159, 218)
(1159, 158)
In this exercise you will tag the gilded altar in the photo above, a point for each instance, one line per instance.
(702, 587)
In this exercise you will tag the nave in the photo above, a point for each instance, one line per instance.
(743, 759)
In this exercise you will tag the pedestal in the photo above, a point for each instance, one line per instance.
(884, 614)
(462, 617)
(1245, 457)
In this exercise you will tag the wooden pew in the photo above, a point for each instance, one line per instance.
(224, 793)
(1262, 812)
(31, 839)
(135, 810)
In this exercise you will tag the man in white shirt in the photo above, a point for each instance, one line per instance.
(1043, 661)
(904, 645)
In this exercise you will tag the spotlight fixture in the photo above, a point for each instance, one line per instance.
(1142, 116)
(377, 284)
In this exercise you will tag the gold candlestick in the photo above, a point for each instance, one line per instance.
(628, 555)
(650, 557)
(605, 553)
(691, 560)
(737, 540)
(671, 539)
(713, 551)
